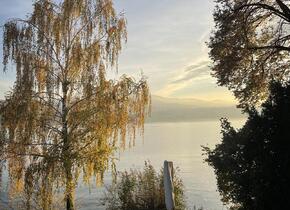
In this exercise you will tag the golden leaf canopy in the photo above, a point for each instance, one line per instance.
(63, 117)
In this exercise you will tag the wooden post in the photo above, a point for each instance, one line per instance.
(168, 185)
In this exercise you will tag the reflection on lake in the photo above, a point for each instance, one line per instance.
(177, 142)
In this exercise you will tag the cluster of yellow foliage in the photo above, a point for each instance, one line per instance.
(63, 117)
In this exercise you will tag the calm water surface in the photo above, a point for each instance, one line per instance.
(177, 142)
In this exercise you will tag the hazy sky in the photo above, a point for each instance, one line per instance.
(166, 41)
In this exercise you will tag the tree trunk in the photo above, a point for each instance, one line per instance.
(70, 187)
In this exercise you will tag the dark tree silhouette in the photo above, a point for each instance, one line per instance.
(250, 46)
(252, 164)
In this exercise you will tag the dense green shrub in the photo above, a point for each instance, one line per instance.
(142, 190)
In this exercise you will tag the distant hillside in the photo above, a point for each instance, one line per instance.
(186, 110)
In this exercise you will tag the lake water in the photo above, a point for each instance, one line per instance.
(177, 142)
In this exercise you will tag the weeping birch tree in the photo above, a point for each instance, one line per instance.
(64, 118)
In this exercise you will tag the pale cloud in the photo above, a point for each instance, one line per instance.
(165, 36)
(166, 41)
(168, 90)
(192, 73)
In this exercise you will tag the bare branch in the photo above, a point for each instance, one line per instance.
(266, 7)
(277, 47)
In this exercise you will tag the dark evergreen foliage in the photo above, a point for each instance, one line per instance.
(252, 164)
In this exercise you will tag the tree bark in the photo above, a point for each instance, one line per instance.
(69, 188)
(69, 194)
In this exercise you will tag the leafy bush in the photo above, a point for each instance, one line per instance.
(141, 190)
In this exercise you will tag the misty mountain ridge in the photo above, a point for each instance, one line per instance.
(187, 110)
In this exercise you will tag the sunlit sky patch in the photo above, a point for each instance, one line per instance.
(166, 41)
